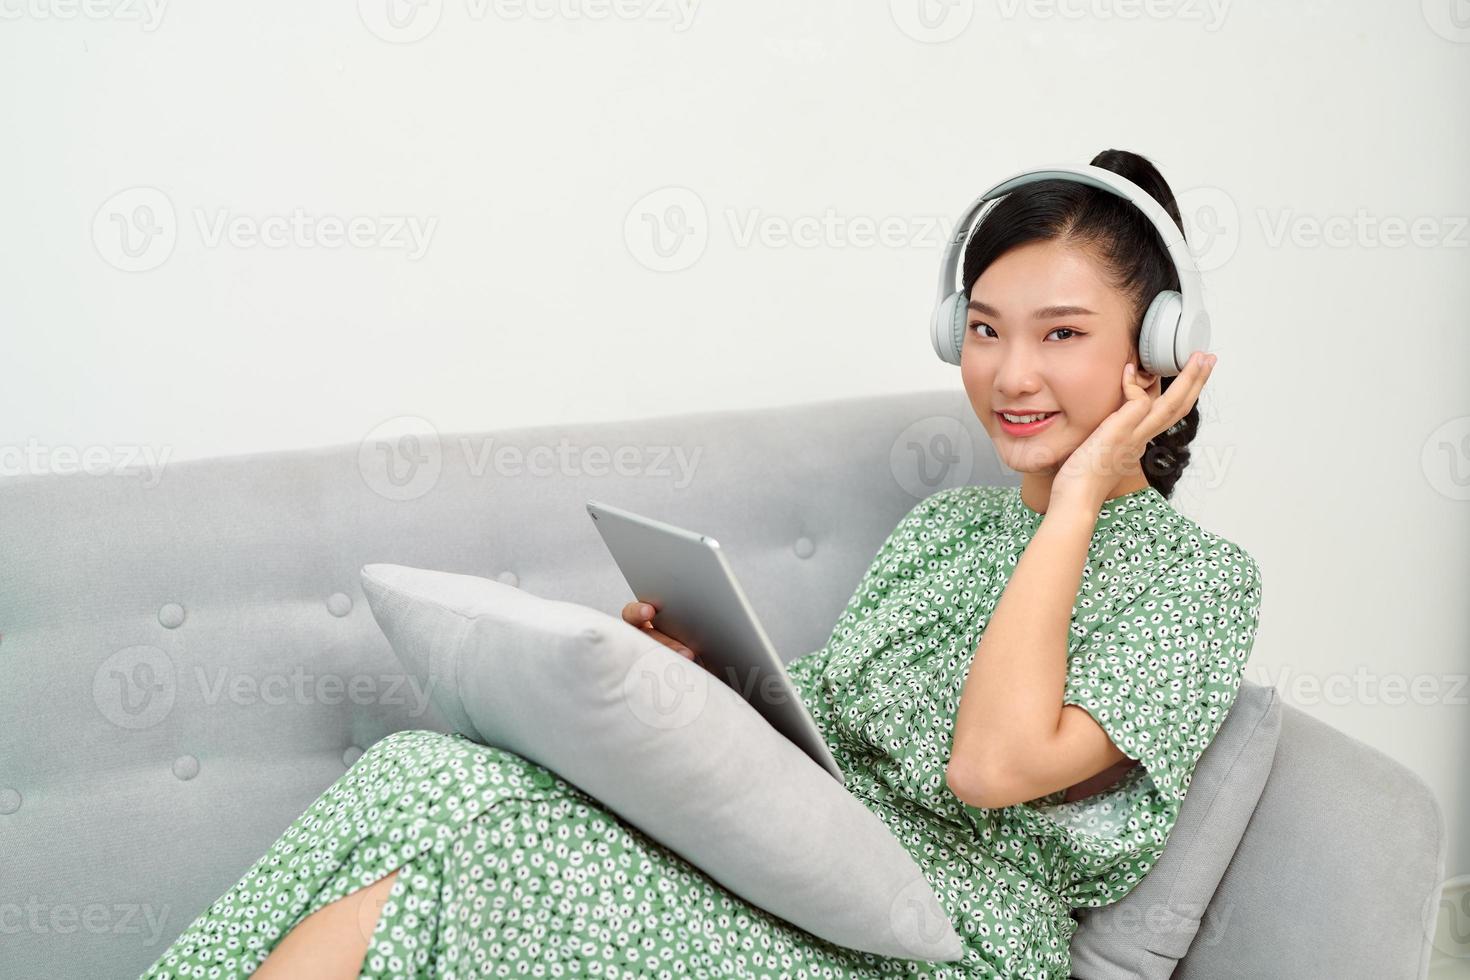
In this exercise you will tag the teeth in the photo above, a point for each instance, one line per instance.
(1025, 418)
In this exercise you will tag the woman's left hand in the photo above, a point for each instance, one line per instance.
(1092, 471)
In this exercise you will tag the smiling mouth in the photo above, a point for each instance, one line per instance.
(1024, 428)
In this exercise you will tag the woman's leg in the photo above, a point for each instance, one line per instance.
(329, 944)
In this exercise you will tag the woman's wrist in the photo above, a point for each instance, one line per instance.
(1073, 510)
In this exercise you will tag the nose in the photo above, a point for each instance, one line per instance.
(1016, 373)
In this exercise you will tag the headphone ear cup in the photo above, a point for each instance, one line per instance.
(1158, 334)
(946, 328)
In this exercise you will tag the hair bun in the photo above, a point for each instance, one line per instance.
(1140, 170)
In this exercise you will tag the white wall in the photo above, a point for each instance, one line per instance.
(535, 152)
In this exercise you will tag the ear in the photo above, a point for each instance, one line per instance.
(1151, 383)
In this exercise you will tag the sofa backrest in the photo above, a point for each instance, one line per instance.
(190, 660)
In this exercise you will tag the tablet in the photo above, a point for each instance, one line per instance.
(684, 574)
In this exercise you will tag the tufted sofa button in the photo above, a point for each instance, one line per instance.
(509, 578)
(339, 604)
(171, 615)
(352, 754)
(541, 778)
(186, 767)
(9, 801)
(804, 547)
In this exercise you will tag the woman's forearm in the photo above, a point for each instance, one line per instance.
(1012, 699)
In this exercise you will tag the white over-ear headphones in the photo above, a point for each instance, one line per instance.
(1175, 324)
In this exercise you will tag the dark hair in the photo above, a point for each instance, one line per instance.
(1128, 248)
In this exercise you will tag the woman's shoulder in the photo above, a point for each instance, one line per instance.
(1191, 549)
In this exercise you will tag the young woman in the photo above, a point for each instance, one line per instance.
(1020, 688)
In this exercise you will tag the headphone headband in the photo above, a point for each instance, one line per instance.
(1193, 323)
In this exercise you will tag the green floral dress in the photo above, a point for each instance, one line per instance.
(509, 871)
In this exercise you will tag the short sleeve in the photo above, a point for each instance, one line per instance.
(1161, 673)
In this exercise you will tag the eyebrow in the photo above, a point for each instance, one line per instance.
(1045, 313)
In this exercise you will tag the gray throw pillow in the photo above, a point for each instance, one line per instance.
(1147, 932)
(666, 746)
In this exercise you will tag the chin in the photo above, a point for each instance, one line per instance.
(1043, 468)
(1028, 462)
(1030, 455)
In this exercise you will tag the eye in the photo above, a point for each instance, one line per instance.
(1070, 330)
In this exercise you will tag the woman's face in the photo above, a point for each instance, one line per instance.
(1046, 333)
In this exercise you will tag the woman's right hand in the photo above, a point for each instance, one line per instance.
(640, 614)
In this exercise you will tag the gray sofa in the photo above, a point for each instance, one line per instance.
(189, 664)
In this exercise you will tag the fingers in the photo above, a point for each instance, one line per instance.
(1132, 390)
(1175, 403)
(637, 612)
(1196, 372)
(640, 614)
(672, 644)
